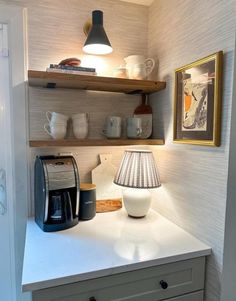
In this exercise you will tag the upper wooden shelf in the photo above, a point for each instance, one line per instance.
(94, 142)
(95, 83)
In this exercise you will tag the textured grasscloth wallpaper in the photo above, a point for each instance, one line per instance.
(55, 31)
(175, 32)
(194, 178)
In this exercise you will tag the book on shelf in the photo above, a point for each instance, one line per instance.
(70, 71)
(74, 68)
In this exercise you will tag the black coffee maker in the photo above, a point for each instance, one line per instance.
(56, 192)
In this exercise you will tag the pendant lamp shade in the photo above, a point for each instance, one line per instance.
(97, 41)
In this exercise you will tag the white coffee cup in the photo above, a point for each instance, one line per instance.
(80, 132)
(83, 117)
(113, 127)
(56, 118)
(120, 72)
(134, 127)
(56, 131)
(80, 125)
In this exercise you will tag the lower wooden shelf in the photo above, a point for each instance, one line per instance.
(94, 142)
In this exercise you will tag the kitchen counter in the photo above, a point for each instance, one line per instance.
(110, 243)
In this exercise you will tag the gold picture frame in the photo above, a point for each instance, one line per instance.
(197, 101)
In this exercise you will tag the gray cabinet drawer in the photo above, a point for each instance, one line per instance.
(197, 296)
(144, 284)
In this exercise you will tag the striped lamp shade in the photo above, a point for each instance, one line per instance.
(138, 170)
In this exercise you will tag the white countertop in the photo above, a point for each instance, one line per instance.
(108, 244)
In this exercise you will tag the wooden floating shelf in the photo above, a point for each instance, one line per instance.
(94, 83)
(94, 142)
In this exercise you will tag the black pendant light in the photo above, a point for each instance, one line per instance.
(97, 41)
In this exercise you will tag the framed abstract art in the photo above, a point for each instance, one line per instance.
(197, 102)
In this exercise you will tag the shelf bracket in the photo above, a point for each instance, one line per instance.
(51, 85)
(135, 92)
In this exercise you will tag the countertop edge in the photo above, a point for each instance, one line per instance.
(30, 287)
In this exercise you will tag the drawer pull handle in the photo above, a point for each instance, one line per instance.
(92, 299)
(163, 284)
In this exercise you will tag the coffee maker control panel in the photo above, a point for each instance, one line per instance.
(61, 173)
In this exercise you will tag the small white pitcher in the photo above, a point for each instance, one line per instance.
(138, 67)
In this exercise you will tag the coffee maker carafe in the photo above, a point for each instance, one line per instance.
(56, 192)
(60, 207)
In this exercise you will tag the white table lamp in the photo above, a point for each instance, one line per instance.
(138, 172)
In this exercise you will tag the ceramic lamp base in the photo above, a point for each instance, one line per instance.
(136, 201)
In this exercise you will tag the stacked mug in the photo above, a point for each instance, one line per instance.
(134, 127)
(57, 125)
(80, 125)
(112, 128)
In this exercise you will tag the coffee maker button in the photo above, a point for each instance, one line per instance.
(59, 163)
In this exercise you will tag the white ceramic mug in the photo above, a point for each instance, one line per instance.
(57, 131)
(80, 125)
(113, 127)
(82, 117)
(120, 72)
(134, 127)
(56, 118)
(80, 132)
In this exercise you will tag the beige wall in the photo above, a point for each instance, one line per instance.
(194, 178)
(55, 31)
